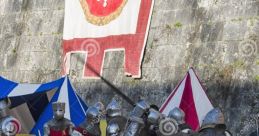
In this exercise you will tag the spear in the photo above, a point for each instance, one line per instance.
(114, 88)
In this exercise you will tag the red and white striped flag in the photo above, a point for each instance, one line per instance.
(190, 96)
(94, 27)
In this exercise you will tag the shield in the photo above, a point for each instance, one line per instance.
(168, 127)
(102, 12)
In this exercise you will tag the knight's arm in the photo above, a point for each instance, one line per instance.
(71, 128)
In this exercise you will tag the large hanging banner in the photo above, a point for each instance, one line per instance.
(94, 27)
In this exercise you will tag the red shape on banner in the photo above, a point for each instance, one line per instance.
(97, 8)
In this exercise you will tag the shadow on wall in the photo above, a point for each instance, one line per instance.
(238, 99)
(239, 105)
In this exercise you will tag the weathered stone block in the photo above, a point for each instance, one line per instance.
(114, 59)
(41, 43)
(37, 5)
(45, 23)
(10, 6)
(212, 32)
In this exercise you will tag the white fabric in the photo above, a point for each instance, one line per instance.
(176, 99)
(23, 89)
(202, 103)
(76, 25)
(63, 97)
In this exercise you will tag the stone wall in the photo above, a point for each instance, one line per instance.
(219, 38)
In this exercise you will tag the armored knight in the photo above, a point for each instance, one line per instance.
(9, 126)
(115, 119)
(161, 125)
(113, 129)
(136, 122)
(153, 119)
(101, 108)
(59, 125)
(214, 124)
(179, 115)
(91, 125)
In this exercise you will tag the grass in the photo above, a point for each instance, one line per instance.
(178, 25)
(14, 51)
(257, 77)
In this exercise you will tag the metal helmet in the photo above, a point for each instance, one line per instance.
(154, 116)
(113, 108)
(100, 106)
(93, 115)
(4, 105)
(113, 129)
(140, 108)
(177, 114)
(58, 110)
(213, 118)
(92, 129)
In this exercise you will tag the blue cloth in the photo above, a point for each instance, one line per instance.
(77, 107)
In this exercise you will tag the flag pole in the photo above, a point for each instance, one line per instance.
(115, 89)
